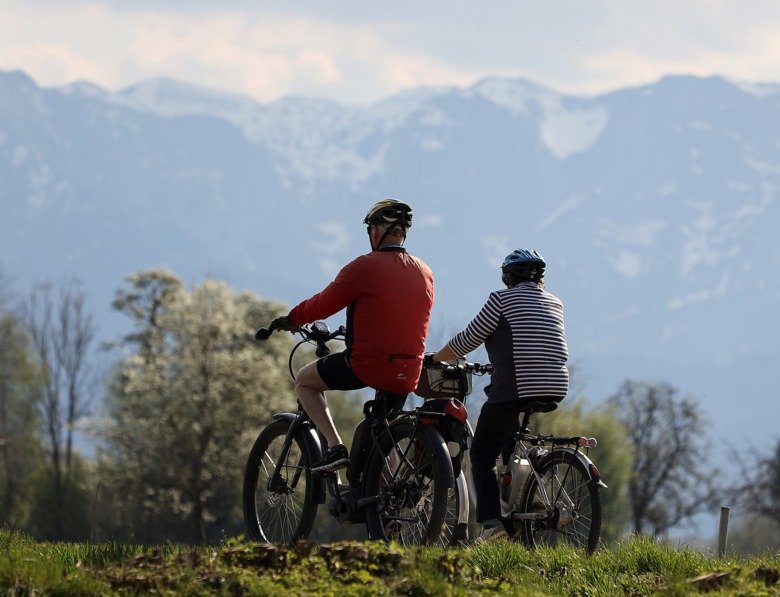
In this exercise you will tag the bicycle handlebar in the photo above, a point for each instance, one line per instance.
(317, 332)
(264, 333)
(474, 368)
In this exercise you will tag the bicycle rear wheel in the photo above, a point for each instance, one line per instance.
(412, 485)
(571, 512)
(281, 510)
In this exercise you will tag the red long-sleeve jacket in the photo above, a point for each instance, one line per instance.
(388, 295)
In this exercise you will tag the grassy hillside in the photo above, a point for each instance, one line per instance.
(636, 567)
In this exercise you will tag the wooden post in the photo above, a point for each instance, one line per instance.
(92, 513)
(723, 530)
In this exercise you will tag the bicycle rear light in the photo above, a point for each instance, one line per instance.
(587, 442)
(457, 410)
(594, 472)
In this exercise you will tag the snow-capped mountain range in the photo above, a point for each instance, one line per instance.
(655, 207)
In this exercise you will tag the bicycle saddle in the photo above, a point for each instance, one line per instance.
(539, 406)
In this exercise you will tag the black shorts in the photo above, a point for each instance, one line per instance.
(334, 370)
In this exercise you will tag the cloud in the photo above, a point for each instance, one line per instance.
(336, 238)
(568, 205)
(700, 296)
(497, 248)
(642, 234)
(626, 263)
(264, 58)
(362, 52)
(259, 53)
(429, 221)
(50, 62)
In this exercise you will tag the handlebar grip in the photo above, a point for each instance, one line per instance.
(263, 334)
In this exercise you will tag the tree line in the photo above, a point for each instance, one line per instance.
(174, 415)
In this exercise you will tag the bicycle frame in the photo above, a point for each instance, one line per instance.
(390, 465)
(523, 438)
(543, 482)
(378, 426)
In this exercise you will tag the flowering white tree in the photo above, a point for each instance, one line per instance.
(186, 401)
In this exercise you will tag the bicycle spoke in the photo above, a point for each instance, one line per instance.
(573, 509)
(279, 510)
(402, 473)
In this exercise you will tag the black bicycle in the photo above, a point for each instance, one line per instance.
(549, 487)
(400, 474)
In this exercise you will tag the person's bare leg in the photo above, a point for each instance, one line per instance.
(309, 388)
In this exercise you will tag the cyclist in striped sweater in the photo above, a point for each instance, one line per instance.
(522, 329)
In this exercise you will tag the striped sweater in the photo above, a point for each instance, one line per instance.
(522, 328)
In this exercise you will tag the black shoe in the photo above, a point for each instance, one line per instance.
(333, 459)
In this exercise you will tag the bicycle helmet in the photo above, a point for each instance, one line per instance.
(522, 265)
(388, 211)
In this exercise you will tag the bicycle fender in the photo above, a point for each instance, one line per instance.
(438, 441)
(593, 472)
(311, 440)
(463, 490)
(439, 445)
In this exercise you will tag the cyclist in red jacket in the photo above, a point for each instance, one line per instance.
(388, 294)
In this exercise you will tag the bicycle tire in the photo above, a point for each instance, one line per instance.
(576, 516)
(277, 516)
(420, 490)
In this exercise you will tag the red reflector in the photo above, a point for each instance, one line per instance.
(429, 421)
(457, 410)
(594, 472)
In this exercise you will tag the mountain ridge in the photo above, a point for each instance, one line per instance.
(655, 206)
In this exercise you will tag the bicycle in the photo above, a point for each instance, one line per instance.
(550, 489)
(399, 476)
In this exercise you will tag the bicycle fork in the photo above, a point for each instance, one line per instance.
(275, 482)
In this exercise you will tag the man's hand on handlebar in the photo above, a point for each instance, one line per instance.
(284, 324)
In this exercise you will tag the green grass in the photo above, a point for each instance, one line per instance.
(634, 567)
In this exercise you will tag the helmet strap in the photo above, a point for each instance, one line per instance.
(383, 237)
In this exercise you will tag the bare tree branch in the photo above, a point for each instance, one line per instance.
(62, 332)
(670, 481)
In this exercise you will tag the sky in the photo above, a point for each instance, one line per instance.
(357, 52)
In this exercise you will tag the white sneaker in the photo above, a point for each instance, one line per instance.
(492, 533)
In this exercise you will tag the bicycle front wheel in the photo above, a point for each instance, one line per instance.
(567, 504)
(279, 508)
(411, 484)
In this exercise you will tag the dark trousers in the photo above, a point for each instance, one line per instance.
(495, 426)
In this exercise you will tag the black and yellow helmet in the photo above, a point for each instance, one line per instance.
(388, 211)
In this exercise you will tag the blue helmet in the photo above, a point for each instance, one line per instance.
(524, 257)
(522, 265)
